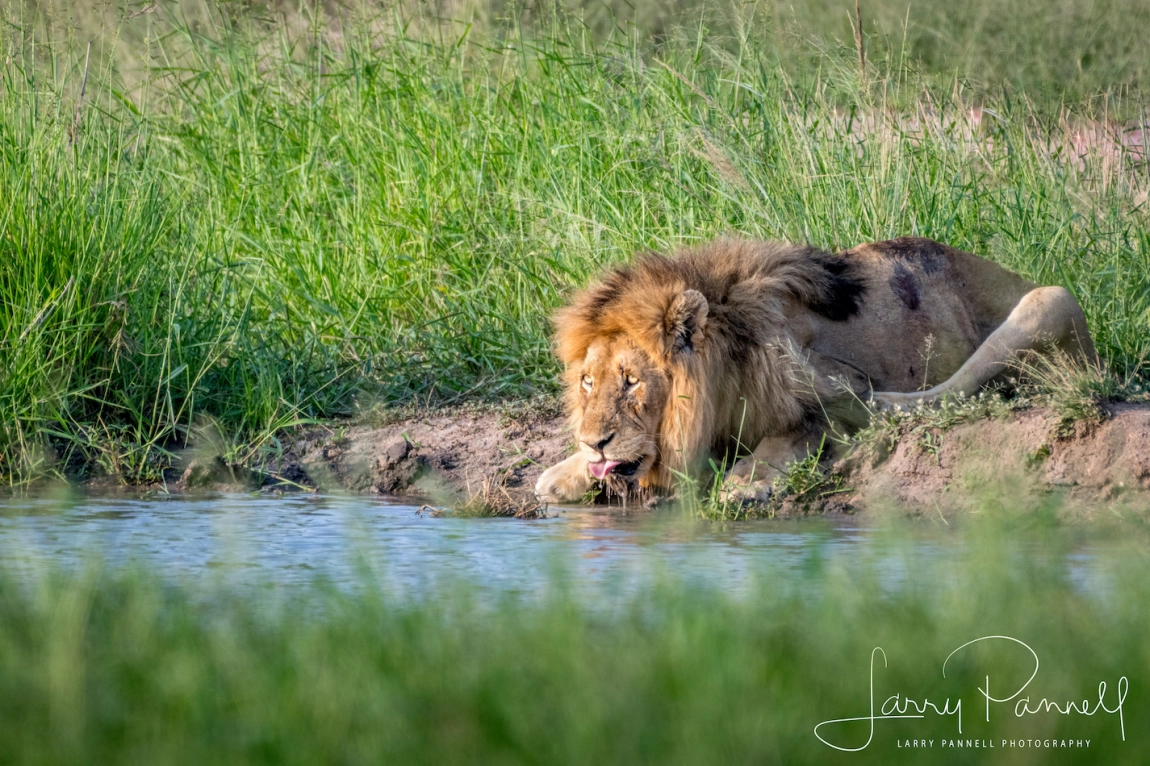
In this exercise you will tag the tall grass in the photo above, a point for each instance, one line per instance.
(1051, 53)
(85, 259)
(273, 228)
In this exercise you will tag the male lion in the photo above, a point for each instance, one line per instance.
(673, 362)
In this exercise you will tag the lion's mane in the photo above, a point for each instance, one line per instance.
(745, 377)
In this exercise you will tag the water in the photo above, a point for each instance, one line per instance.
(296, 540)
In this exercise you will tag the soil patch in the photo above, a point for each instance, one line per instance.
(447, 456)
(1097, 464)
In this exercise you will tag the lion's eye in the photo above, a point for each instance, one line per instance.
(632, 381)
(588, 382)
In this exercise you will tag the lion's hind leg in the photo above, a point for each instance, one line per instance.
(1045, 320)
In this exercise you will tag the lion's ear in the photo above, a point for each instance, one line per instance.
(683, 323)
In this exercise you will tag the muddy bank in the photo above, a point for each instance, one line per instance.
(441, 456)
(445, 456)
(1023, 455)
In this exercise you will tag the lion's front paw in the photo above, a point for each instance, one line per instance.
(565, 482)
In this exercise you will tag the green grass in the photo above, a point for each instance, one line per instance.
(99, 666)
(263, 232)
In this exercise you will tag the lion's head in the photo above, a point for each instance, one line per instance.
(672, 359)
(622, 386)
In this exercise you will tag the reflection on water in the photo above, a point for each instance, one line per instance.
(295, 539)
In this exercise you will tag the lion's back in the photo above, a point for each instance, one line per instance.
(925, 308)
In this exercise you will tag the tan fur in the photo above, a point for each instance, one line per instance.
(740, 345)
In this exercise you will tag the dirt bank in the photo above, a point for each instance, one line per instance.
(444, 456)
(441, 455)
(1024, 454)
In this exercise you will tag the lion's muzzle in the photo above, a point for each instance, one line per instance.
(601, 469)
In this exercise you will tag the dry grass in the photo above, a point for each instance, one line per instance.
(494, 499)
(1077, 390)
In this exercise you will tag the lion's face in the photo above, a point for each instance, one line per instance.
(619, 398)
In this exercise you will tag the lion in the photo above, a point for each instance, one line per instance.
(753, 352)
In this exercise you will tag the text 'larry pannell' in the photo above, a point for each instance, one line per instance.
(901, 706)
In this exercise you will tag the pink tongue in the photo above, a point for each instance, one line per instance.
(602, 468)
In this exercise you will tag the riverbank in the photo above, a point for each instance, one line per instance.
(446, 457)
(1030, 457)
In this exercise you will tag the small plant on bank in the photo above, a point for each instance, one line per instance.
(112, 450)
(926, 421)
(494, 499)
(808, 481)
(1077, 390)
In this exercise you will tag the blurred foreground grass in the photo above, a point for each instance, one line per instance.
(271, 227)
(103, 666)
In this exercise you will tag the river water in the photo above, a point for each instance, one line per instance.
(297, 540)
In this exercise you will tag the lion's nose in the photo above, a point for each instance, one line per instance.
(601, 443)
